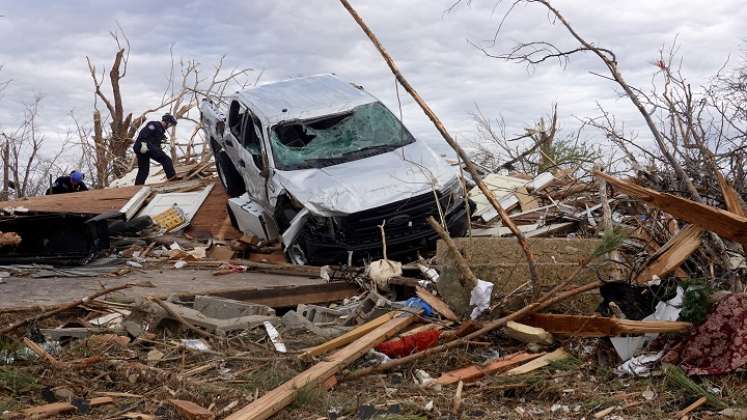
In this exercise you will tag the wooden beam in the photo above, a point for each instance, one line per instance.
(285, 296)
(437, 304)
(544, 360)
(597, 326)
(275, 400)
(474, 372)
(670, 256)
(727, 224)
(348, 337)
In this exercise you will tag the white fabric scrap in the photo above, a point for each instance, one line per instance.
(639, 365)
(627, 347)
(480, 297)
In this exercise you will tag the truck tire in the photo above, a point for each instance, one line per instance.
(230, 178)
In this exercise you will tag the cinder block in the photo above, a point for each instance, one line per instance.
(502, 262)
(221, 308)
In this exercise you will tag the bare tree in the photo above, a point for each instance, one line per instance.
(111, 145)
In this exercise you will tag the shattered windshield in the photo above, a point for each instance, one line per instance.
(364, 131)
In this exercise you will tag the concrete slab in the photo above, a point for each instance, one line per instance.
(274, 290)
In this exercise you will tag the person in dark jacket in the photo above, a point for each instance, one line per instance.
(148, 146)
(68, 183)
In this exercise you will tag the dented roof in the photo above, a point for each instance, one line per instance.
(303, 98)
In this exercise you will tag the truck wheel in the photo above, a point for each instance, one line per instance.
(230, 178)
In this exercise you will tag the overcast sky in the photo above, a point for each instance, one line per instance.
(45, 44)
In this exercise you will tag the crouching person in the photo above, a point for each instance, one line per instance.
(68, 184)
(148, 146)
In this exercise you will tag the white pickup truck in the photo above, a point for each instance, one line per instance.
(319, 164)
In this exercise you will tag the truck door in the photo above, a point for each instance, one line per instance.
(251, 159)
(231, 140)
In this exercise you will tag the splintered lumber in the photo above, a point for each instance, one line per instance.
(348, 337)
(474, 372)
(726, 224)
(278, 398)
(192, 411)
(62, 308)
(437, 304)
(544, 360)
(527, 334)
(670, 256)
(731, 197)
(652, 246)
(597, 326)
(50, 410)
(43, 354)
(471, 168)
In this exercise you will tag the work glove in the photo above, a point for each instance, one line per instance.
(143, 148)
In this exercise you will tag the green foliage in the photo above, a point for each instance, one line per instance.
(310, 397)
(696, 304)
(678, 378)
(567, 153)
(17, 381)
(611, 240)
(569, 363)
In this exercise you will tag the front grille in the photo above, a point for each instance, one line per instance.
(404, 219)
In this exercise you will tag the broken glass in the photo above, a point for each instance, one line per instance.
(364, 131)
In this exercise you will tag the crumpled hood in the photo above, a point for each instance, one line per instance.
(368, 183)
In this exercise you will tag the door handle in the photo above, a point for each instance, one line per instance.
(242, 163)
(229, 143)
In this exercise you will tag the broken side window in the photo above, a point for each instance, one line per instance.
(251, 139)
(364, 131)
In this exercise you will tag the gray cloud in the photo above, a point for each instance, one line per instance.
(45, 43)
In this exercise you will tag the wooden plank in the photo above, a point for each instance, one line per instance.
(544, 360)
(597, 326)
(670, 256)
(527, 334)
(474, 372)
(53, 409)
(208, 221)
(690, 408)
(348, 337)
(526, 201)
(731, 197)
(652, 246)
(275, 400)
(192, 411)
(285, 296)
(727, 224)
(86, 202)
(437, 304)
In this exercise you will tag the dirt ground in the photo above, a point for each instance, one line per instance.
(145, 373)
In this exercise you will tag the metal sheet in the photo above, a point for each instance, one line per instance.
(302, 98)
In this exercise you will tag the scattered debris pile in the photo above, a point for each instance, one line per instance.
(449, 334)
